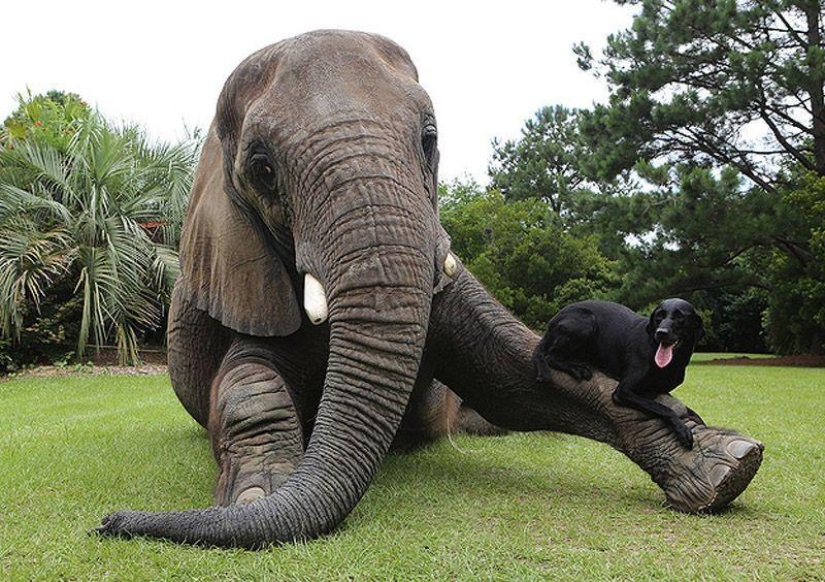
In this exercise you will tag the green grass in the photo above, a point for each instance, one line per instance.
(520, 507)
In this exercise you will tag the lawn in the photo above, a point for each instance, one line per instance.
(520, 507)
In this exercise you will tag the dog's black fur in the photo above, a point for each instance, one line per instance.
(623, 345)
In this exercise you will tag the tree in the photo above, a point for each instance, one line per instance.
(692, 228)
(733, 319)
(543, 163)
(700, 92)
(50, 118)
(796, 314)
(521, 254)
(90, 222)
(695, 81)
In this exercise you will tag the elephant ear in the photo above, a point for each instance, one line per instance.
(226, 268)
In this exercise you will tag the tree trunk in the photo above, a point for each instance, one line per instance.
(817, 80)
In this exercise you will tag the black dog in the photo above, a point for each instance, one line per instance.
(647, 357)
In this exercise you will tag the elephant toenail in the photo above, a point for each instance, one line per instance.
(718, 474)
(250, 495)
(740, 448)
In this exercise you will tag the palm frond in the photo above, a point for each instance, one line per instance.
(166, 269)
(100, 192)
(30, 262)
(14, 201)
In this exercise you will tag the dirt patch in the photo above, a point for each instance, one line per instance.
(78, 370)
(103, 363)
(107, 356)
(802, 361)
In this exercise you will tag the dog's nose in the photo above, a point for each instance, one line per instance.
(662, 334)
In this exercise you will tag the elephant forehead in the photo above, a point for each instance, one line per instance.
(328, 53)
(326, 91)
(327, 78)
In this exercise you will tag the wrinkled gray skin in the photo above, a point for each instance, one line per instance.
(322, 160)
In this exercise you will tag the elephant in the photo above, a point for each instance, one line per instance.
(320, 317)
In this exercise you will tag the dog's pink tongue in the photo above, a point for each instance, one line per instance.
(663, 355)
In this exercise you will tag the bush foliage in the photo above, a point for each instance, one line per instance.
(90, 216)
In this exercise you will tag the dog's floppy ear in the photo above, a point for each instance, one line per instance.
(651, 323)
(226, 269)
(698, 326)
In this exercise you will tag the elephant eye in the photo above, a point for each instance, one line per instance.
(429, 140)
(261, 172)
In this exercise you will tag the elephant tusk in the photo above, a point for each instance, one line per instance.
(450, 266)
(315, 300)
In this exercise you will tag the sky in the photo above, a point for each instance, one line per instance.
(487, 66)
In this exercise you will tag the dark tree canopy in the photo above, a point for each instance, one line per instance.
(521, 254)
(736, 83)
(719, 107)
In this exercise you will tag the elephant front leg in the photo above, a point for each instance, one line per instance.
(255, 430)
(485, 355)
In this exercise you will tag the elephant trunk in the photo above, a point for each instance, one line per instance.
(379, 286)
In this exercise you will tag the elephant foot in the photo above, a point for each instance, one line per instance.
(431, 414)
(706, 478)
(711, 474)
(256, 434)
(471, 422)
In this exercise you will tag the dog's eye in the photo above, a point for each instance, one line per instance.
(678, 315)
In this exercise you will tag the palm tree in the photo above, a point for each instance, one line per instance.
(103, 212)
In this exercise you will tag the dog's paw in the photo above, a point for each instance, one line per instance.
(581, 372)
(684, 435)
(543, 373)
(543, 376)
